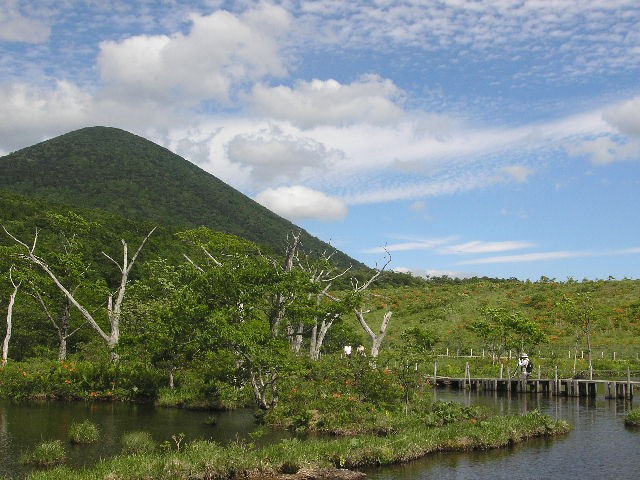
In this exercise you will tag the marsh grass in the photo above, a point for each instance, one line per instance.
(45, 454)
(633, 418)
(84, 432)
(205, 459)
(137, 443)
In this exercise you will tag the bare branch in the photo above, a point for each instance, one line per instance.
(211, 257)
(193, 263)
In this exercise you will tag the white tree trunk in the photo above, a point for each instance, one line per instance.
(7, 337)
(375, 338)
(317, 338)
(295, 337)
(114, 308)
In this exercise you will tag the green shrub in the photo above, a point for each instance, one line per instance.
(46, 454)
(135, 443)
(84, 432)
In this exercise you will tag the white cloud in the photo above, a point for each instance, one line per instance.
(578, 38)
(625, 117)
(16, 27)
(418, 206)
(299, 203)
(485, 247)
(29, 114)
(606, 149)
(272, 156)
(519, 172)
(221, 52)
(526, 257)
(428, 244)
(309, 104)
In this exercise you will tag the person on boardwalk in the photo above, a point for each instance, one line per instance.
(525, 364)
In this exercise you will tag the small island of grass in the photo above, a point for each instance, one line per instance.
(633, 418)
(330, 457)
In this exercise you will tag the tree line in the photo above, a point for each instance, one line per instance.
(221, 297)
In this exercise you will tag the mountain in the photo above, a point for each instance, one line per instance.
(116, 171)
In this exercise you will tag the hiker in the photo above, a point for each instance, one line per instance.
(525, 365)
(360, 350)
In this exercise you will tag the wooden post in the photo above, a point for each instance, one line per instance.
(435, 373)
(556, 384)
(467, 375)
(501, 370)
(629, 394)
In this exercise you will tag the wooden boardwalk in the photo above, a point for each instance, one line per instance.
(569, 387)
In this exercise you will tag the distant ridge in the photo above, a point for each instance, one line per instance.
(113, 170)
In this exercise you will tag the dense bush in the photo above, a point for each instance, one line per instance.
(39, 378)
(344, 396)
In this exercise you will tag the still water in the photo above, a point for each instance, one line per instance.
(599, 445)
(24, 424)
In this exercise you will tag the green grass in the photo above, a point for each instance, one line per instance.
(633, 418)
(137, 443)
(46, 454)
(204, 459)
(84, 432)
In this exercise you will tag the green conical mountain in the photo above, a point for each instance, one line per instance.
(113, 170)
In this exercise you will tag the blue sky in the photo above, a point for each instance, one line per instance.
(491, 137)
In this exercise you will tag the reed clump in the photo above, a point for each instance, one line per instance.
(633, 418)
(206, 459)
(45, 454)
(137, 443)
(84, 432)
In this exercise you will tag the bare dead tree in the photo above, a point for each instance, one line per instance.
(375, 338)
(281, 302)
(114, 308)
(12, 299)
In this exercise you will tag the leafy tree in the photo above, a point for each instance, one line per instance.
(502, 330)
(578, 311)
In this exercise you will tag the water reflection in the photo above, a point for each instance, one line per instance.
(599, 444)
(24, 424)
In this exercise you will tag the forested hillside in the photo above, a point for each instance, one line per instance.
(116, 171)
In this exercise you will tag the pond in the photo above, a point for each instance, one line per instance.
(24, 424)
(598, 446)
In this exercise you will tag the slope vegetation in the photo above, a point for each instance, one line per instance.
(112, 170)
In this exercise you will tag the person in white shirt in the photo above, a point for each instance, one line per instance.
(525, 364)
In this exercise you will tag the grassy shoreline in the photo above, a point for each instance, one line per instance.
(207, 460)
